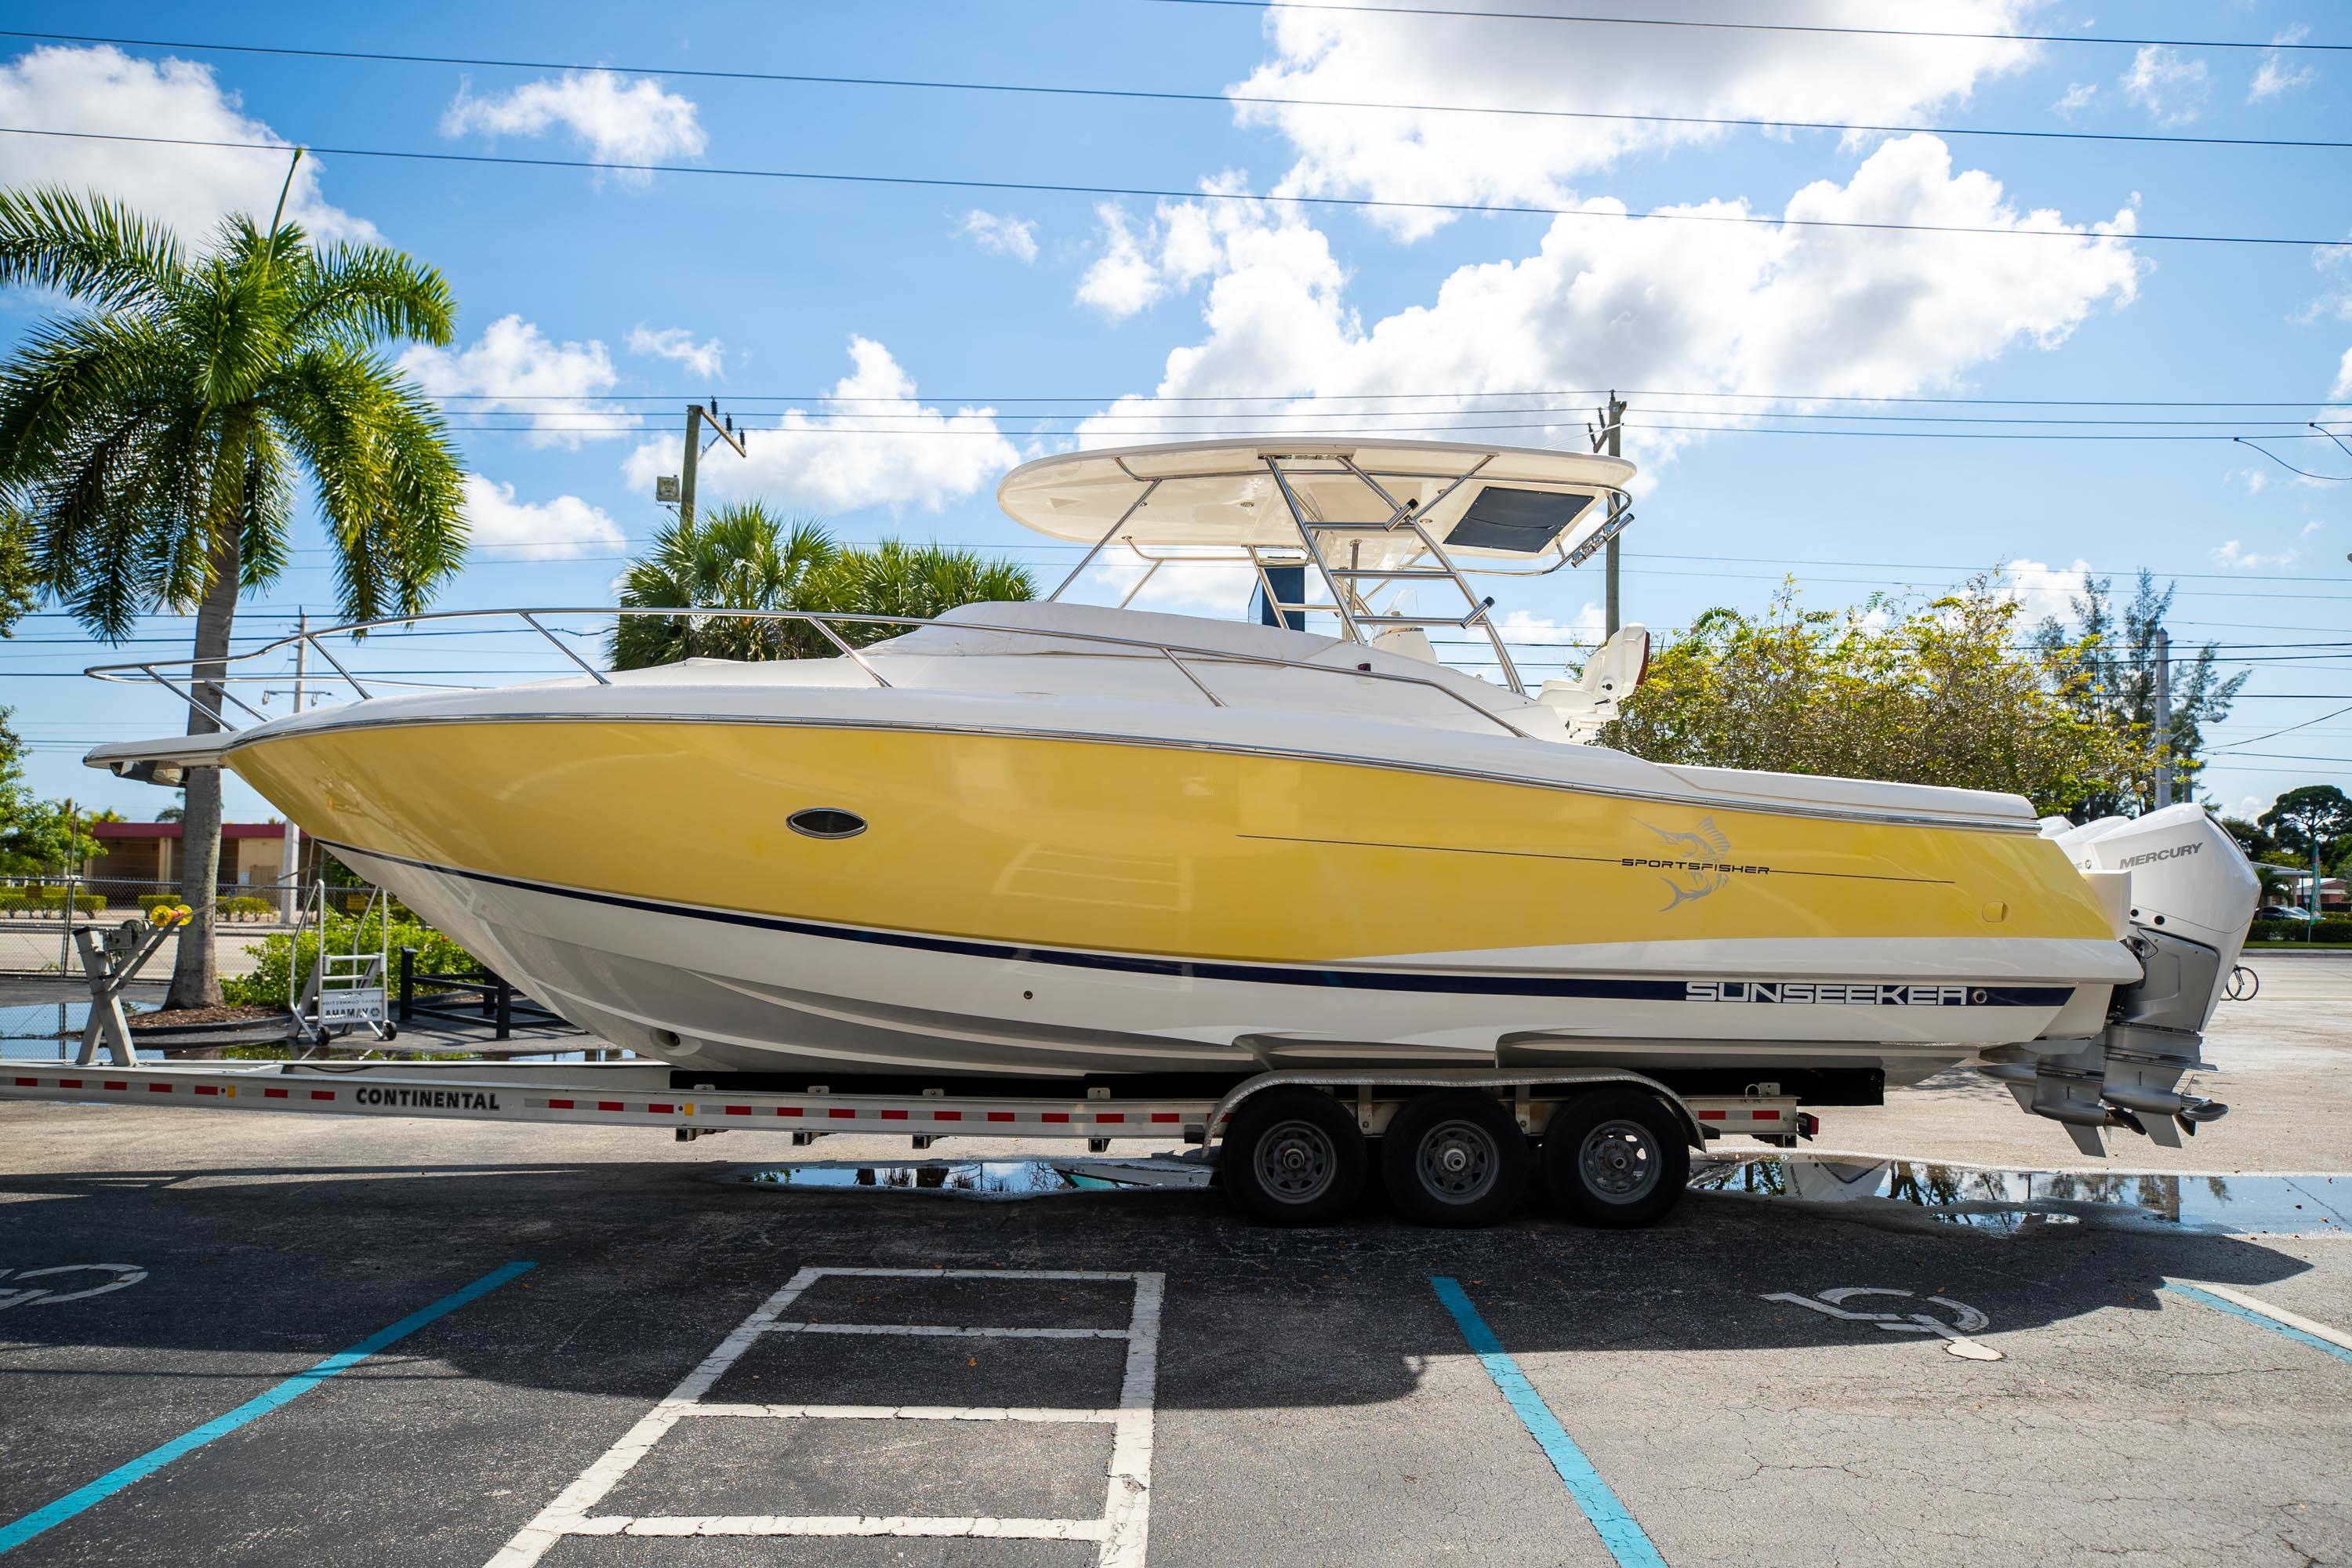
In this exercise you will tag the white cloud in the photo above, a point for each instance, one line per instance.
(613, 118)
(188, 188)
(678, 343)
(2230, 554)
(2343, 387)
(2314, 526)
(884, 448)
(2274, 76)
(1122, 279)
(1001, 234)
(2255, 479)
(1414, 157)
(559, 530)
(2043, 592)
(515, 368)
(1654, 303)
(2170, 85)
(2077, 96)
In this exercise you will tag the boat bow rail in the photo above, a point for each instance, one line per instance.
(210, 686)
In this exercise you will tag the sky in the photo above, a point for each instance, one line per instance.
(1827, 380)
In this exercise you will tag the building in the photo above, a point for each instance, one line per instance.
(252, 854)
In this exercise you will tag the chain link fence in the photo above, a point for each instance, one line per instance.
(37, 917)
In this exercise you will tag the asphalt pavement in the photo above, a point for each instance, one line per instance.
(695, 1371)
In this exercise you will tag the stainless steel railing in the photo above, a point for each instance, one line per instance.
(207, 685)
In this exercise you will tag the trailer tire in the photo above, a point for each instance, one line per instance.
(1293, 1156)
(1455, 1157)
(1616, 1157)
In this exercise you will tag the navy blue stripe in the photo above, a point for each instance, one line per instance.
(1209, 969)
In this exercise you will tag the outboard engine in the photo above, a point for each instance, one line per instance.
(2189, 897)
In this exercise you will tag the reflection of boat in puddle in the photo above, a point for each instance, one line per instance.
(977, 1178)
(2008, 1201)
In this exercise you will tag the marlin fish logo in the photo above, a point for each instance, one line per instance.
(1699, 867)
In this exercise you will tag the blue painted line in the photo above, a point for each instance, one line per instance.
(16, 1535)
(2218, 1304)
(1619, 1530)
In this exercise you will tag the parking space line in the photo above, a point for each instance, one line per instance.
(931, 1331)
(1619, 1530)
(2262, 1314)
(1122, 1530)
(16, 1535)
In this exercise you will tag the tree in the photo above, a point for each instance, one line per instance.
(18, 588)
(36, 836)
(1932, 693)
(2116, 683)
(740, 557)
(734, 557)
(2315, 823)
(155, 437)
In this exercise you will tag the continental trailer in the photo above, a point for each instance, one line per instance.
(1293, 1147)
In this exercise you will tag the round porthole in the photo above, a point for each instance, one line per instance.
(826, 822)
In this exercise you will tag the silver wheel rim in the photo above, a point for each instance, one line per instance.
(1620, 1160)
(1458, 1162)
(1296, 1162)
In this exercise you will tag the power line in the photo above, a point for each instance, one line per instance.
(1050, 187)
(2272, 427)
(664, 398)
(1596, 20)
(1148, 95)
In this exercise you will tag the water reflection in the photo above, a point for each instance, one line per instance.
(978, 1178)
(2010, 1200)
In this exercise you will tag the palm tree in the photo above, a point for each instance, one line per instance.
(920, 581)
(740, 557)
(156, 436)
(735, 557)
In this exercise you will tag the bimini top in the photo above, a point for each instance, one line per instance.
(1507, 501)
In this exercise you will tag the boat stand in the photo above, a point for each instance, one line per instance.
(110, 960)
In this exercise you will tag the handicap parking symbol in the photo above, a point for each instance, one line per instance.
(1965, 1320)
(15, 1293)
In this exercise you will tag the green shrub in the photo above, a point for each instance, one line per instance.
(268, 984)
(11, 901)
(2328, 928)
(247, 907)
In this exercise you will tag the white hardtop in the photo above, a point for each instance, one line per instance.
(1200, 493)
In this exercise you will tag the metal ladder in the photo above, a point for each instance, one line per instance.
(1351, 604)
(343, 989)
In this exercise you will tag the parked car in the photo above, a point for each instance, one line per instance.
(2281, 912)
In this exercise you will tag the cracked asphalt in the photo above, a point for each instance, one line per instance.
(1315, 1401)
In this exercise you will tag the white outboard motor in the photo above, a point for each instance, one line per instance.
(2190, 897)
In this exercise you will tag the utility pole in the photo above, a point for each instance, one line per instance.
(1610, 437)
(2163, 718)
(289, 896)
(696, 415)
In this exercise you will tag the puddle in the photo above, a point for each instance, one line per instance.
(2007, 1202)
(977, 1178)
(34, 1031)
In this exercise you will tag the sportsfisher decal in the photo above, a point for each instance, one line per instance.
(1704, 870)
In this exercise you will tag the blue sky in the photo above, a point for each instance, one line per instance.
(944, 309)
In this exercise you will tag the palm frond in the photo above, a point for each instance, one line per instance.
(96, 249)
(365, 294)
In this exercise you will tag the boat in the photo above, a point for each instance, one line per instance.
(1083, 842)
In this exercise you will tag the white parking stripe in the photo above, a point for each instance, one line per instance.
(1122, 1532)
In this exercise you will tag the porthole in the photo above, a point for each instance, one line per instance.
(826, 822)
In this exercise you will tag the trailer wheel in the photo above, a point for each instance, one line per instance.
(1455, 1158)
(1615, 1157)
(1293, 1156)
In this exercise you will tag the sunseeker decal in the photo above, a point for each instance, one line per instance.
(1843, 993)
(1703, 867)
